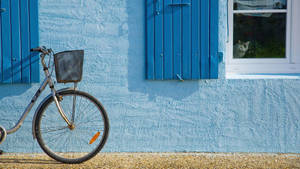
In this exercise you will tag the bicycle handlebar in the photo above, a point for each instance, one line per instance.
(41, 49)
(44, 51)
(35, 49)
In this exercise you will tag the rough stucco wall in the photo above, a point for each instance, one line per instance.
(156, 116)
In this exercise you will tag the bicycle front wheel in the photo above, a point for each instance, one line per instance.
(72, 145)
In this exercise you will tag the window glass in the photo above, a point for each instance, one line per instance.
(259, 35)
(259, 4)
(259, 29)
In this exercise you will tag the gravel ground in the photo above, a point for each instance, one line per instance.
(159, 160)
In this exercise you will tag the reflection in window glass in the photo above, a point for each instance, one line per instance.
(261, 35)
(259, 4)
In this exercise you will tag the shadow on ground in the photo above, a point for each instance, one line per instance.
(26, 161)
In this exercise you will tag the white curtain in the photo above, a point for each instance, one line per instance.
(259, 4)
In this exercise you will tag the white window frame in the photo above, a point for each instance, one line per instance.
(289, 64)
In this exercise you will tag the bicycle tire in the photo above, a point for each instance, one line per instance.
(72, 145)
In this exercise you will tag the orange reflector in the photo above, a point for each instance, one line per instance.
(95, 137)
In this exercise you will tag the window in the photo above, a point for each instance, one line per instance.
(262, 36)
(18, 33)
(182, 39)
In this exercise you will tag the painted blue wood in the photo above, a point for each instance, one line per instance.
(214, 39)
(158, 40)
(19, 32)
(168, 40)
(34, 40)
(177, 39)
(6, 42)
(204, 58)
(186, 40)
(1, 74)
(182, 40)
(25, 50)
(16, 41)
(196, 39)
(150, 38)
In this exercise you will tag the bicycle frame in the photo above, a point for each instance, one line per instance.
(47, 81)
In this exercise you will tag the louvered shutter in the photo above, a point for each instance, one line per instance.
(181, 39)
(19, 33)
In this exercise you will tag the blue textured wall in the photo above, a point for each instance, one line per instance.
(156, 116)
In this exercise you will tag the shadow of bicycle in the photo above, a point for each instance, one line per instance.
(36, 160)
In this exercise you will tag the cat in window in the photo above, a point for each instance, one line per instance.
(240, 49)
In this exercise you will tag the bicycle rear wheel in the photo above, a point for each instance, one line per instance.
(78, 144)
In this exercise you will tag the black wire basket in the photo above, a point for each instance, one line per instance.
(68, 66)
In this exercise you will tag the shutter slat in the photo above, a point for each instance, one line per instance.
(150, 39)
(204, 59)
(177, 51)
(6, 42)
(158, 39)
(25, 42)
(34, 40)
(214, 43)
(196, 39)
(168, 50)
(186, 40)
(16, 41)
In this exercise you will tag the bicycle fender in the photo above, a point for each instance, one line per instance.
(40, 105)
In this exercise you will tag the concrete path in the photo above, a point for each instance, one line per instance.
(159, 160)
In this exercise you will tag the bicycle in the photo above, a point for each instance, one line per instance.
(71, 126)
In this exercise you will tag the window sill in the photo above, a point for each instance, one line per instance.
(262, 76)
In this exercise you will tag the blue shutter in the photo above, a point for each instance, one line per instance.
(19, 33)
(214, 39)
(6, 42)
(34, 40)
(186, 41)
(150, 39)
(158, 40)
(168, 39)
(196, 47)
(16, 45)
(182, 39)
